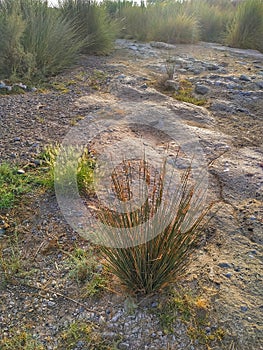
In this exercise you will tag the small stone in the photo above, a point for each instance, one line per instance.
(80, 344)
(243, 308)
(51, 303)
(228, 275)
(244, 78)
(154, 304)
(2, 231)
(201, 89)
(224, 265)
(212, 67)
(259, 84)
(121, 76)
(21, 171)
(144, 86)
(172, 84)
(133, 47)
(124, 346)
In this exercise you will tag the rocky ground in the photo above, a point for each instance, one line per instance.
(228, 126)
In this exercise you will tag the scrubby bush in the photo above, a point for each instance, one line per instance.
(213, 17)
(35, 40)
(246, 30)
(38, 41)
(162, 22)
(91, 24)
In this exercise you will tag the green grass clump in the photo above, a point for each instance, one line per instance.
(152, 265)
(160, 22)
(13, 185)
(246, 30)
(83, 172)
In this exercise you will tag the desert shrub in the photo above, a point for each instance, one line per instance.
(152, 265)
(114, 8)
(35, 39)
(246, 30)
(136, 22)
(212, 16)
(91, 23)
(162, 22)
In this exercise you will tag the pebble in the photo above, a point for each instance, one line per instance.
(259, 84)
(244, 78)
(224, 265)
(201, 89)
(243, 308)
(21, 171)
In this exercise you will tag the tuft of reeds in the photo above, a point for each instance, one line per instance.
(169, 223)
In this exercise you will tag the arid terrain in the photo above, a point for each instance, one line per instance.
(227, 84)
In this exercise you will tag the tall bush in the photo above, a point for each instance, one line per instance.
(36, 41)
(246, 30)
(91, 23)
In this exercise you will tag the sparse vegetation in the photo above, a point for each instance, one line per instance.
(185, 94)
(15, 182)
(194, 312)
(87, 333)
(86, 270)
(11, 261)
(20, 340)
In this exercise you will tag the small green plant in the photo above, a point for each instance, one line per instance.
(20, 339)
(86, 332)
(185, 94)
(84, 171)
(14, 182)
(193, 310)
(85, 269)
(11, 261)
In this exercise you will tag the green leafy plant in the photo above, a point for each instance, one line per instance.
(154, 264)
